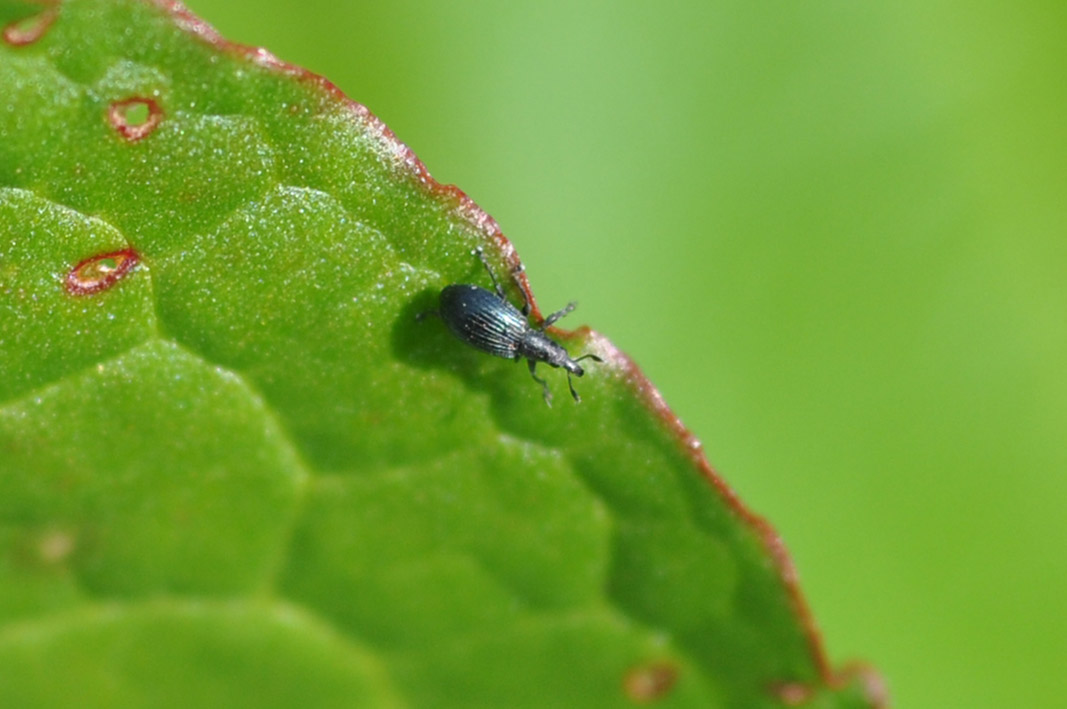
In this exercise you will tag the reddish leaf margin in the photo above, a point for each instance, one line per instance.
(790, 693)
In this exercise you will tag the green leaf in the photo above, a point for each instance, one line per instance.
(235, 469)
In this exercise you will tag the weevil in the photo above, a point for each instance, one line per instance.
(489, 322)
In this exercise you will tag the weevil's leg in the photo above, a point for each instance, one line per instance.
(492, 276)
(427, 313)
(589, 356)
(539, 380)
(557, 315)
(577, 399)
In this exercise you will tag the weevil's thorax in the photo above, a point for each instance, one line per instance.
(539, 347)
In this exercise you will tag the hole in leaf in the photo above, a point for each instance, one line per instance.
(30, 29)
(137, 114)
(101, 272)
(647, 683)
(135, 118)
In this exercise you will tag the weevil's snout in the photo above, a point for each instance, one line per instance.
(573, 367)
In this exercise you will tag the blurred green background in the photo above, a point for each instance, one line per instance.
(831, 233)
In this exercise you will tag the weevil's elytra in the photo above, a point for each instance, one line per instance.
(488, 321)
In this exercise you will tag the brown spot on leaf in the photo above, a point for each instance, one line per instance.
(135, 117)
(647, 683)
(794, 694)
(99, 273)
(55, 546)
(30, 29)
